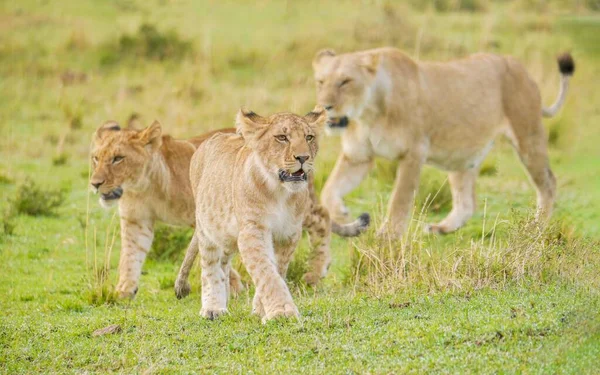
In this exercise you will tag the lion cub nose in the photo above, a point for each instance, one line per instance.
(302, 158)
(97, 184)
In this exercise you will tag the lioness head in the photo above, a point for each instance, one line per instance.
(284, 143)
(344, 84)
(119, 157)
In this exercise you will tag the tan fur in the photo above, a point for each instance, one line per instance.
(444, 114)
(243, 203)
(154, 177)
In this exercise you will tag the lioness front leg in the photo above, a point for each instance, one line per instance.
(401, 201)
(274, 298)
(345, 177)
(136, 240)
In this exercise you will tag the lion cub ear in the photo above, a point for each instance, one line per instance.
(151, 136)
(248, 123)
(321, 56)
(370, 62)
(107, 126)
(316, 118)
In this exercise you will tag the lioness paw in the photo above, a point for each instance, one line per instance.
(212, 314)
(436, 229)
(311, 278)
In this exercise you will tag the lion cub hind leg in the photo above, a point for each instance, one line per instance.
(318, 225)
(462, 185)
(215, 278)
(274, 298)
(182, 285)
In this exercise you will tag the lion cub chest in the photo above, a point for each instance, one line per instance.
(284, 218)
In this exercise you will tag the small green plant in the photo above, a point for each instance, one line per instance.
(8, 225)
(32, 199)
(169, 243)
(147, 43)
(100, 287)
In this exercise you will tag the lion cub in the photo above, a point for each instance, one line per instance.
(251, 193)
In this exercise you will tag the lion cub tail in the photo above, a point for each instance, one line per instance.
(566, 65)
(352, 229)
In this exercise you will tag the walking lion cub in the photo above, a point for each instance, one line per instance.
(251, 193)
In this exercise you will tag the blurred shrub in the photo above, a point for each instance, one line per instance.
(169, 242)
(147, 43)
(451, 5)
(34, 200)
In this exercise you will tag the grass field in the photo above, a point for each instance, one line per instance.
(498, 296)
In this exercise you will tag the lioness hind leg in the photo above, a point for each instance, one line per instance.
(318, 225)
(530, 142)
(534, 155)
(462, 185)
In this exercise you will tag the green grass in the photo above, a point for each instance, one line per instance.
(496, 297)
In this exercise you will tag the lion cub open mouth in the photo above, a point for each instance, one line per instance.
(298, 176)
(112, 195)
(337, 122)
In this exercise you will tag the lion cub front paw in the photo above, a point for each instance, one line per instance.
(127, 290)
(212, 314)
(288, 310)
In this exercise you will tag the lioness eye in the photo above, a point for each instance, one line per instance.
(117, 159)
(310, 137)
(346, 81)
(281, 138)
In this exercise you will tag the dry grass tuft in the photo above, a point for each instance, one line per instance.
(419, 261)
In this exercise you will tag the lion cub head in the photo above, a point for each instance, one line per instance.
(120, 157)
(344, 84)
(285, 144)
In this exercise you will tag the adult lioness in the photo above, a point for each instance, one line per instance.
(251, 193)
(147, 173)
(445, 114)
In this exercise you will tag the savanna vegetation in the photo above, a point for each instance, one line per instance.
(499, 296)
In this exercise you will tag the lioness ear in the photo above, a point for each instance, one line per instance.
(248, 123)
(321, 56)
(316, 118)
(370, 62)
(151, 136)
(107, 126)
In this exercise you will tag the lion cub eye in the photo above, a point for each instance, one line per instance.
(117, 159)
(345, 82)
(320, 82)
(95, 160)
(281, 138)
(309, 138)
